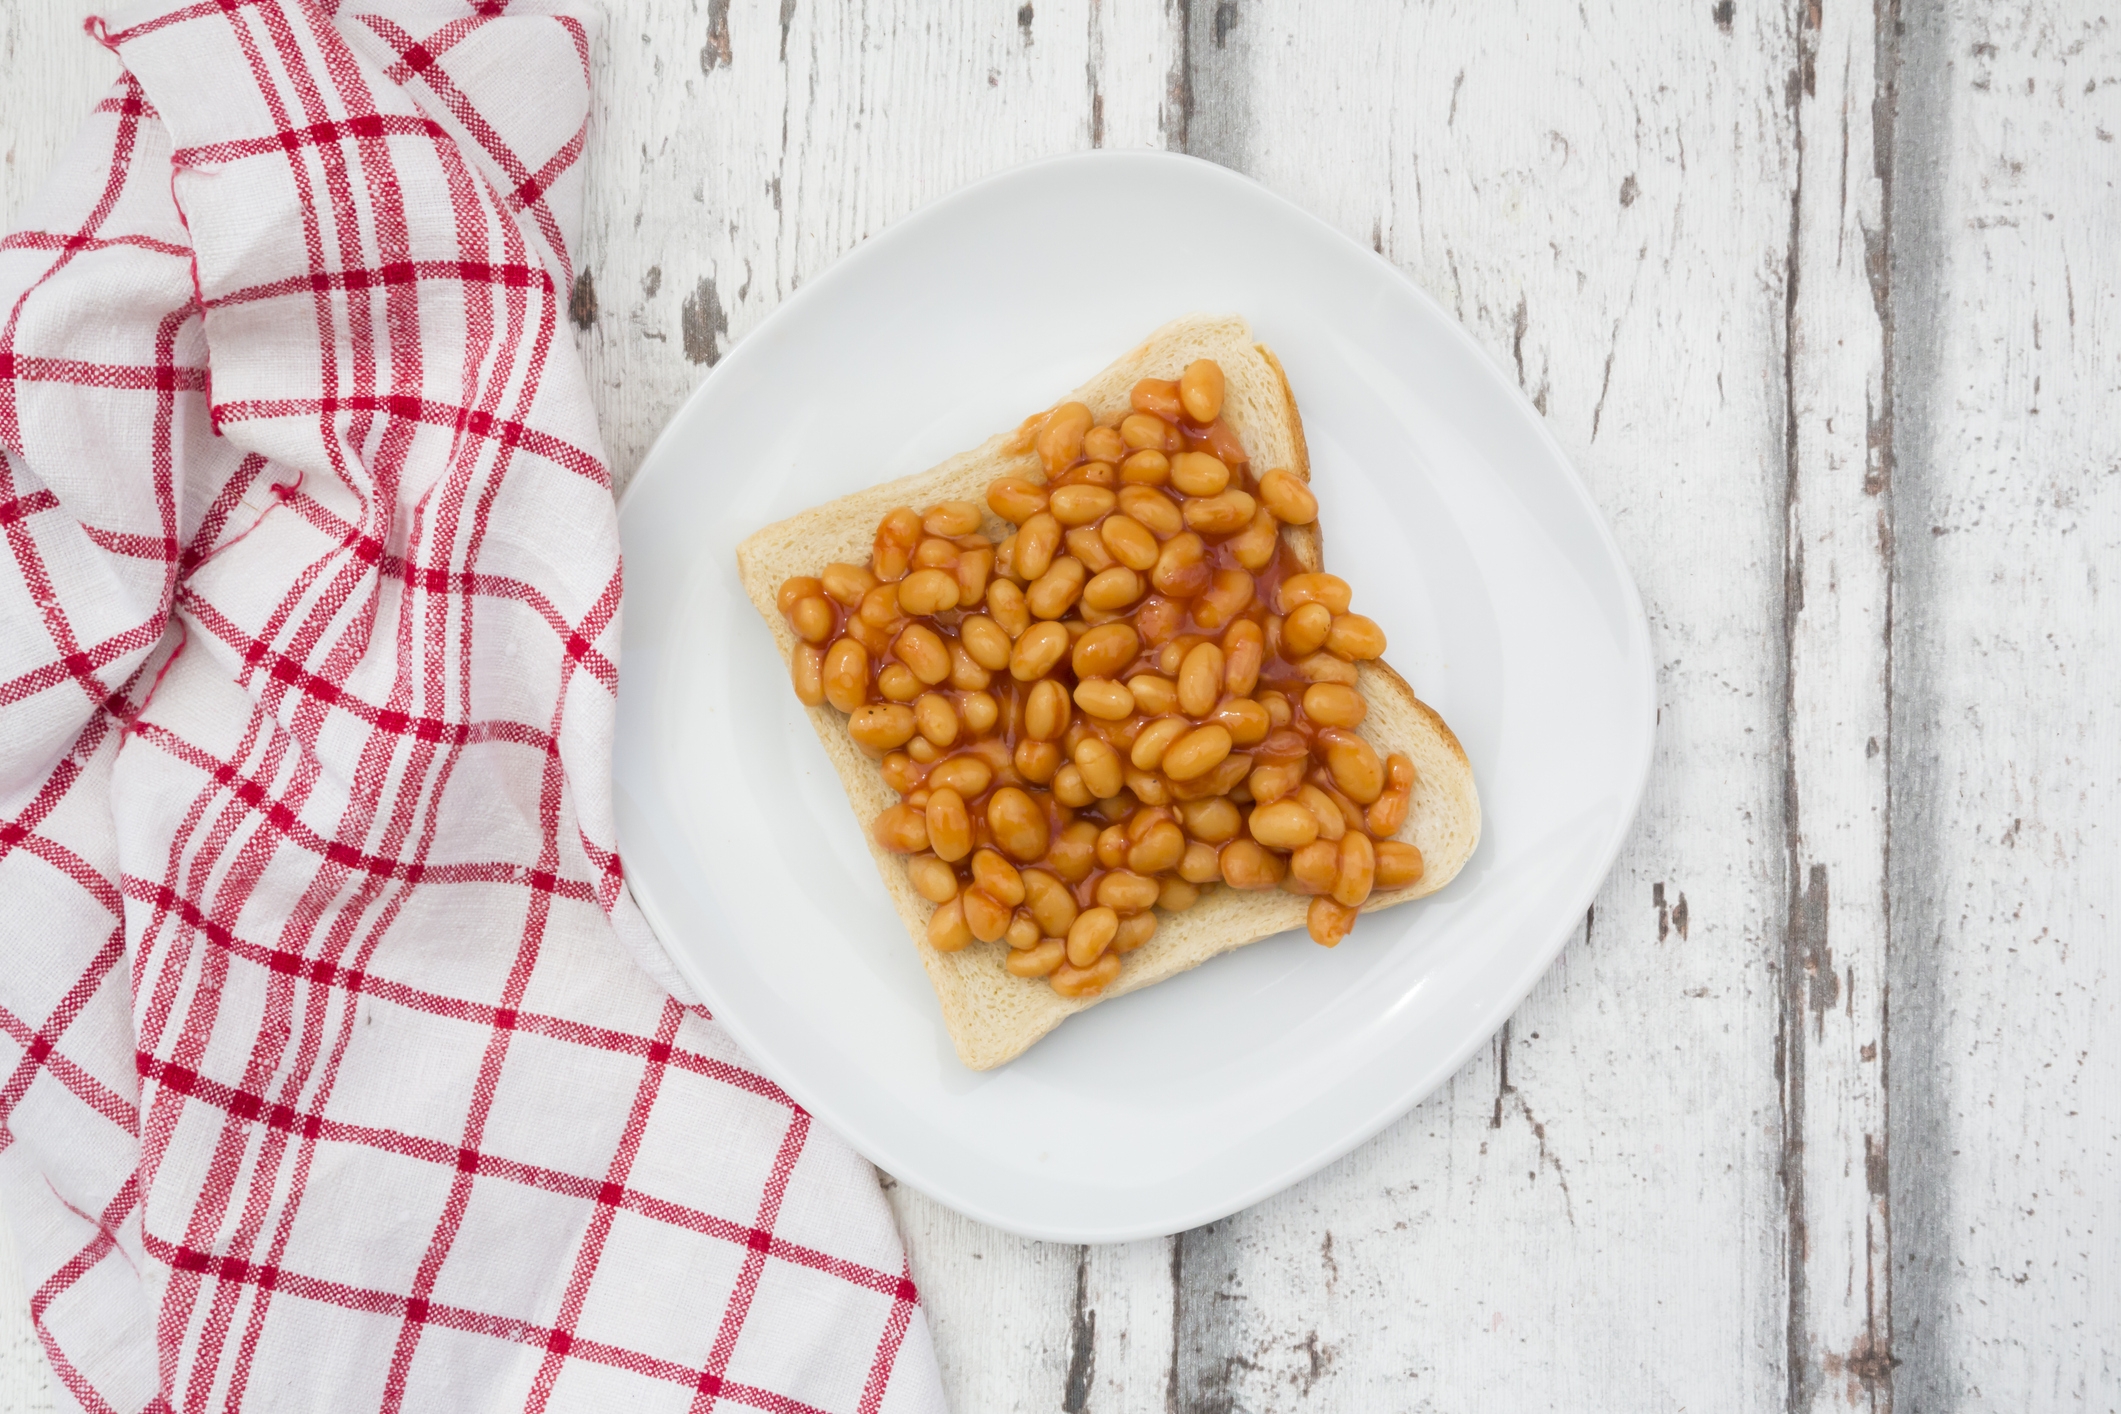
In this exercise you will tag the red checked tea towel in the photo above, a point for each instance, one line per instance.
(335, 1076)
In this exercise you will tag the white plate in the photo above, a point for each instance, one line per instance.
(1445, 502)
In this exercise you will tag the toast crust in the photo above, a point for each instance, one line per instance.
(993, 1015)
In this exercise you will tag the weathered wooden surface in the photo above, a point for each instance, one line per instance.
(1823, 1109)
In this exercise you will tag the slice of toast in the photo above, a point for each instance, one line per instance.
(993, 1015)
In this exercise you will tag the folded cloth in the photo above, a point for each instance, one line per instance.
(340, 1071)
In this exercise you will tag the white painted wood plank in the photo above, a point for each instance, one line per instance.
(1837, 570)
(2007, 669)
(1587, 1217)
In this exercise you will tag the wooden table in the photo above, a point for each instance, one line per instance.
(1823, 1108)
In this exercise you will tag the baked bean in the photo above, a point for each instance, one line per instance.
(1103, 474)
(795, 589)
(1327, 589)
(1398, 864)
(896, 538)
(935, 554)
(1037, 652)
(846, 583)
(1104, 650)
(1036, 761)
(966, 675)
(937, 718)
(1153, 740)
(987, 918)
(1103, 444)
(1129, 542)
(1153, 693)
(1277, 707)
(1220, 514)
(1005, 602)
(1159, 848)
(897, 682)
(966, 774)
(951, 518)
(1355, 637)
(1052, 903)
(876, 642)
(900, 772)
(1324, 667)
(1054, 593)
(1074, 851)
(984, 640)
(1112, 846)
(1074, 982)
(812, 618)
(1358, 869)
(1244, 652)
(1313, 868)
(1148, 787)
(1200, 680)
(1039, 961)
(1060, 438)
(1225, 778)
(1091, 934)
(1079, 505)
(1254, 546)
(1178, 895)
(1244, 719)
(923, 750)
(932, 879)
(1329, 921)
(1229, 592)
(1017, 823)
(881, 726)
(1195, 753)
(1104, 699)
(1213, 821)
(1156, 619)
(1274, 779)
(949, 825)
(1113, 589)
(880, 606)
(1198, 474)
(1387, 813)
(1248, 865)
(921, 649)
(1200, 390)
(1283, 825)
(1354, 764)
(1153, 510)
(1287, 496)
(1100, 767)
(1200, 864)
(1046, 710)
(1331, 705)
(1134, 930)
(806, 667)
(1087, 545)
(1023, 934)
(1036, 544)
(946, 928)
(1068, 788)
(1332, 822)
(1399, 771)
(1182, 569)
(902, 829)
(1125, 891)
(1143, 431)
(1016, 500)
(1158, 396)
(973, 569)
(1147, 467)
(997, 878)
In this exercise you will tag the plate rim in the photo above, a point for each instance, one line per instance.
(1403, 1098)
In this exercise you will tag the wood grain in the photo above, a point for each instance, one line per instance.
(1822, 1108)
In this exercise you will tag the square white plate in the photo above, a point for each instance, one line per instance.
(1445, 502)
